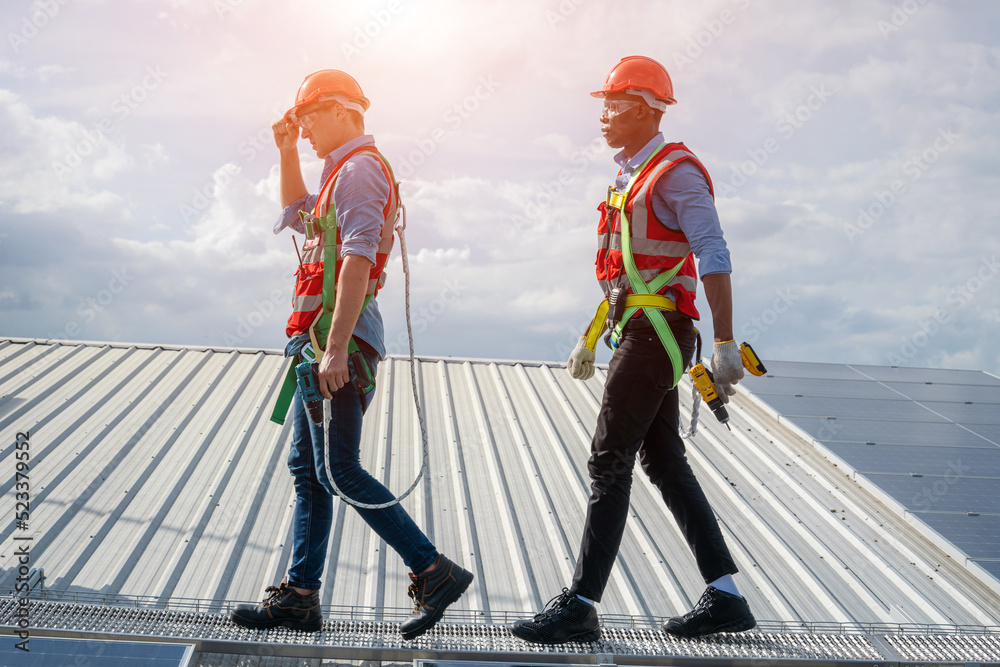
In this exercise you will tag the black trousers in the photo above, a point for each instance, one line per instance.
(639, 415)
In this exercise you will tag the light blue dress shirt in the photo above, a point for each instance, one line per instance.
(359, 195)
(682, 201)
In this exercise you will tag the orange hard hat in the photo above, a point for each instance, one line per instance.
(329, 85)
(642, 76)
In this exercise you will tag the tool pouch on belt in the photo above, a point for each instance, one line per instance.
(361, 376)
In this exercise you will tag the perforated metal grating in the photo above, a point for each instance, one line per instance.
(371, 639)
(947, 648)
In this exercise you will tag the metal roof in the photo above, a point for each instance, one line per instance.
(156, 472)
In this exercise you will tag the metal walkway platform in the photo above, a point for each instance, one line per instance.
(625, 640)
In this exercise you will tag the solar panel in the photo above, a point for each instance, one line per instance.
(966, 413)
(942, 434)
(899, 409)
(975, 535)
(881, 457)
(920, 391)
(53, 652)
(929, 438)
(798, 369)
(991, 566)
(935, 375)
(989, 432)
(941, 493)
(790, 386)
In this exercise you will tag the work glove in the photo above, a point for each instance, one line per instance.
(581, 361)
(727, 368)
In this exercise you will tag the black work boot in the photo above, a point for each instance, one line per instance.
(716, 611)
(432, 591)
(282, 606)
(566, 618)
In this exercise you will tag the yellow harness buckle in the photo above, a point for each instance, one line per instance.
(615, 199)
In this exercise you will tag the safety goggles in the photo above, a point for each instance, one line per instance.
(308, 119)
(614, 108)
(295, 116)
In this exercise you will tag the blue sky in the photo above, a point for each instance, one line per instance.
(853, 146)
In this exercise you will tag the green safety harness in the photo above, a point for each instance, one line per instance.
(644, 295)
(320, 327)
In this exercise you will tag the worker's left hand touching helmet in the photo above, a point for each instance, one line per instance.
(727, 368)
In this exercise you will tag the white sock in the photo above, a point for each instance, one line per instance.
(590, 602)
(726, 585)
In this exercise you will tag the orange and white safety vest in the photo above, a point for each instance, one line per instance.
(308, 299)
(655, 247)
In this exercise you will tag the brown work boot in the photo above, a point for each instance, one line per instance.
(433, 590)
(282, 606)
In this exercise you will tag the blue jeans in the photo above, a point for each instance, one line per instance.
(314, 494)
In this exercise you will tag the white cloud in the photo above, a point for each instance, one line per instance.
(502, 202)
(51, 164)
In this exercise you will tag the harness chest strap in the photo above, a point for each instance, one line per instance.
(641, 290)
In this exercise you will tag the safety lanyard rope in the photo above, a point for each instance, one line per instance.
(695, 394)
(331, 254)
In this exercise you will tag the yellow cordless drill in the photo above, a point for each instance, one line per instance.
(705, 382)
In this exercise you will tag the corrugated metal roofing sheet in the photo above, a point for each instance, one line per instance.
(156, 472)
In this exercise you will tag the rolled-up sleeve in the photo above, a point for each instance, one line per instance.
(289, 216)
(683, 200)
(361, 194)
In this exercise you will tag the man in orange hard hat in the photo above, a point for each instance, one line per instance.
(335, 320)
(657, 218)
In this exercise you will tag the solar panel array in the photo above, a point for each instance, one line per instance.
(58, 652)
(927, 438)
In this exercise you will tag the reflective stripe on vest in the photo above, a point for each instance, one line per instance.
(655, 247)
(307, 301)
